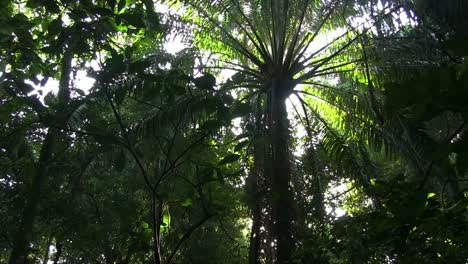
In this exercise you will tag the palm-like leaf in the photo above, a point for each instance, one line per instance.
(273, 45)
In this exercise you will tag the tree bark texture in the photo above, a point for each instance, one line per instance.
(255, 191)
(281, 197)
(24, 233)
(157, 221)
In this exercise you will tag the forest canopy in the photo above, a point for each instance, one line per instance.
(233, 131)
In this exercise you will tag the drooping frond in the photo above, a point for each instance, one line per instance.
(347, 151)
(347, 109)
(420, 52)
(79, 110)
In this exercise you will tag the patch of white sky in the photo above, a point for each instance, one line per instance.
(174, 43)
(80, 78)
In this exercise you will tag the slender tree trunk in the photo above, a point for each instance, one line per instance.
(46, 253)
(256, 187)
(282, 199)
(157, 217)
(256, 209)
(24, 233)
(254, 248)
(318, 199)
(453, 191)
(58, 254)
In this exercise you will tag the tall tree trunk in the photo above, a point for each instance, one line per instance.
(25, 230)
(24, 233)
(282, 199)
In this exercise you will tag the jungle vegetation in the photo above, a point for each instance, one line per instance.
(280, 131)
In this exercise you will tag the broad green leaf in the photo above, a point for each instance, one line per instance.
(166, 219)
(211, 125)
(187, 202)
(144, 225)
(229, 159)
(133, 19)
(241, 109)
(80, 92)
(34, 3)
(241, 145)
(49, 98)
(205, 82)
(121, 5)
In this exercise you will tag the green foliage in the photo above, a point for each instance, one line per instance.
(166, 160)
